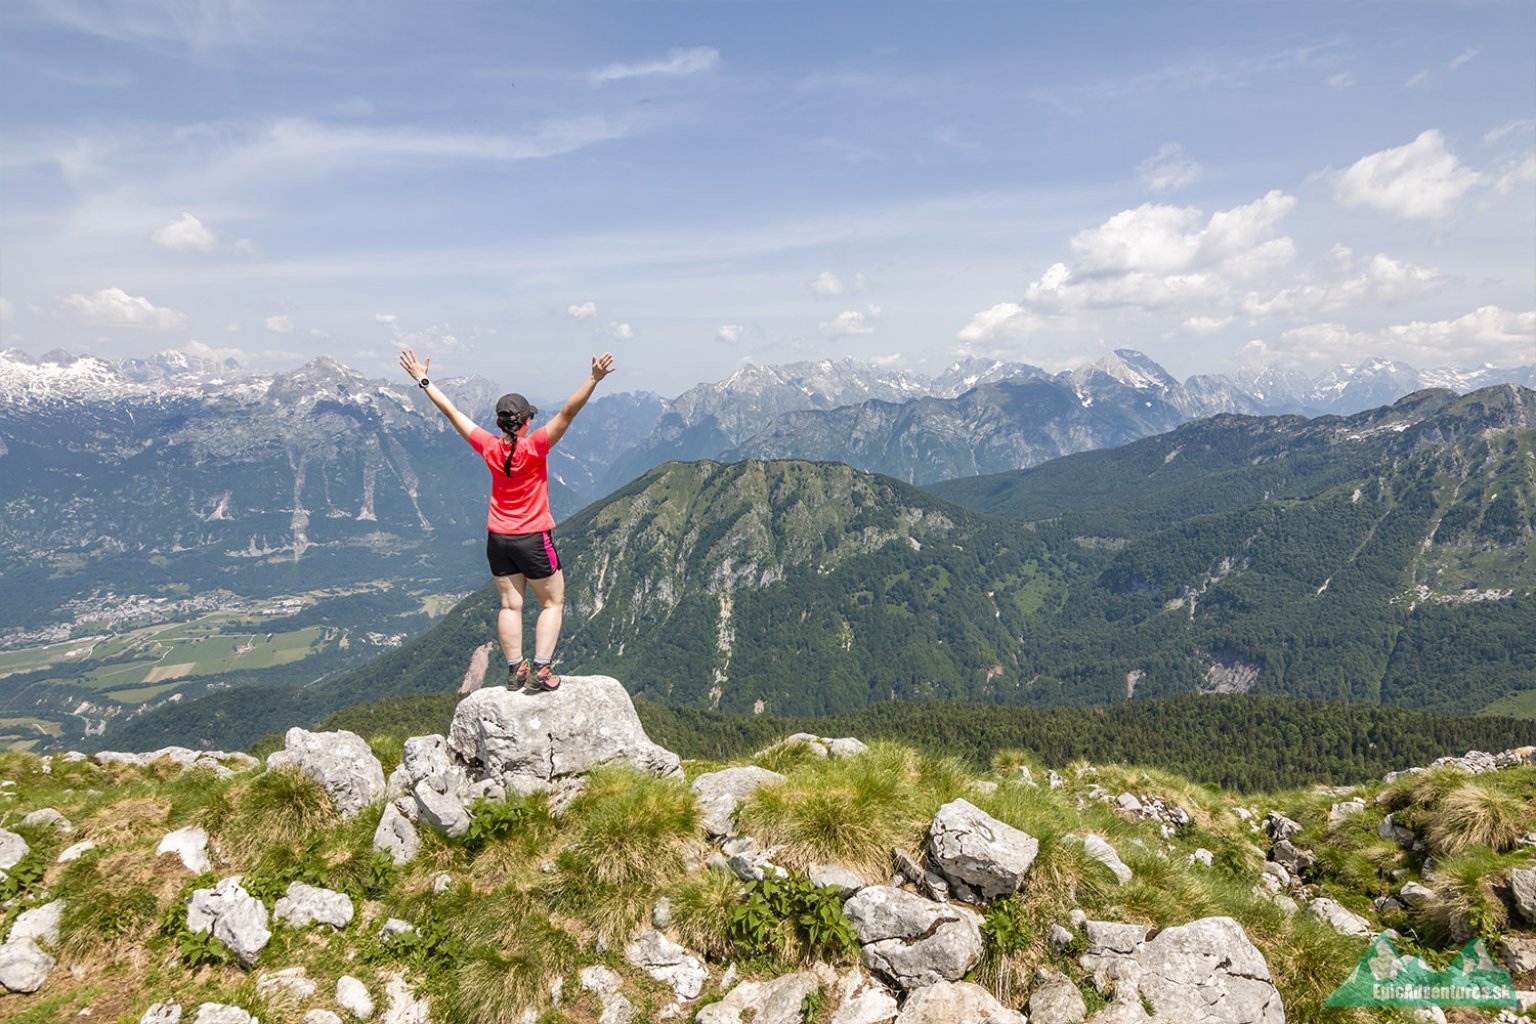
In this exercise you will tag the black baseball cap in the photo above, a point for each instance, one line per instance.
(514, 406)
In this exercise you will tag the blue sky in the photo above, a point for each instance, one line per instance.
(511, 187)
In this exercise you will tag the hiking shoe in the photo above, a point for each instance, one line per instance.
(519, 674)
(543, 681)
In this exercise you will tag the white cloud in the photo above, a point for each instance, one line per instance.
(1207, 324)
(1461, 58)
(852, 321)
(115, 307)
(385, 318)
(585, 311)
(246, 246)
(989, 324)
(1516, 173)
(1417, 80)
(1422, 180)
(1342, 80)
(689, 61)
(730, 334)
(829, 285)
(621, 331)
(1381, 279)
(200, 350)
(185, 234)
(1169, 170)
(1523, 124)
(1487, 334)
(280, 324)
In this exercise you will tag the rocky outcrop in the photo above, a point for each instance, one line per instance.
(777, 1001)
(949, 1002)
(980, 856)
(590, 721)
(233, 916)
(396, 834)
(341, 763)
(912, 941)
(668, 963)
(304, 905)
(1204, 972)
(221, 763)
(720, 794)
(1056, 1000)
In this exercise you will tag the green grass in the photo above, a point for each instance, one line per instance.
(1516, 705)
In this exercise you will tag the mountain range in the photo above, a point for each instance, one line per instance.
(1384, 558)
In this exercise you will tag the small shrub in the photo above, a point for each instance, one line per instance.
(792, 914)
(490, 820)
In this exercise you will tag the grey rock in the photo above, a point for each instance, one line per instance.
(40, 924)
(393, 928)
(1518, 953)
(1128, 802)
(1099, 849)
(1056, 1000)
(815, 744)
(12, 849)
(661, 914)
(1415, 894)
(340, 762)
(352, 996)
(588, 722)
(845, 880)
(1202, 856)
(963, 1002)
(1060, 937)
(913, 941)
(162, 1013)
(1204, 972)
(48, 817)
(1388, 829)
(1522, 884)
(1341, 918)
(846, 746)
(1121, 1012)
(667, 962)
(233, 916)
(75, 852)
(1339, 813)
(24, 966)
(396, 835)
(861, 999)
(1294, 859)
(289, 985)
(191, 845)
(322, 1017)
(1275, 877)
(971, 848)
(402, 1005)
(440, 806)
(222, 1013)
(599, 980)
(720, 794)
(304, 905)
(776, 1001)
(1279, 826)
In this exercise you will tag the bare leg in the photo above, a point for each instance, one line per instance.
(546, 632)
(509, 621)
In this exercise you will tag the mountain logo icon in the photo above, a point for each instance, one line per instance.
(1383, 978)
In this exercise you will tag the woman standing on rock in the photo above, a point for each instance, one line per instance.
(520, 543)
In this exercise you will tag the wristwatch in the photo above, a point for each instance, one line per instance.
(423, 383)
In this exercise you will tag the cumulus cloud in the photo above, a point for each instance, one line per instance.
(1516, 173)
(1342, 80)
(185, 234)
(199, 350)
(621, 331)
(1168, 170)
(115, 307)
(828, 285)
(852, 321)
(730, 334)
(585, 311)
(689, 61)
(280, 324)
(1420, 181)
(1207, 324)
(1380, 279)
(1004, 318)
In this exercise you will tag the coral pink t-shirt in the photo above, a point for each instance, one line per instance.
(519, 501)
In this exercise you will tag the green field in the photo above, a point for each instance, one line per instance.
(24, 733)
(30, 659)
(1516, 705)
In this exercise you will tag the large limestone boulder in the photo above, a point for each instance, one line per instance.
(589, 721)
(341, 762)
(396, 834)
(40, 924)
(720, 794)
(1056, 1000)
(947, 1002)
(12, 849)
(1204, 972)
(24, 966)
(860, 998)
(777, 1001)
(304, 905)
(913, 941)
(1522, 884)
(190, 844)
(979, 855)
(233, 916)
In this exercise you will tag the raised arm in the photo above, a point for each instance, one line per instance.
(601, 367)
(418, 373)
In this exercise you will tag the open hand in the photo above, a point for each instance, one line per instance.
(601, 366)
(412, 366)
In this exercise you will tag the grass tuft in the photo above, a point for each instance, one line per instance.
(279, 809)
(1475, 815)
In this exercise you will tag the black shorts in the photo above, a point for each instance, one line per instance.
(530, 554)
